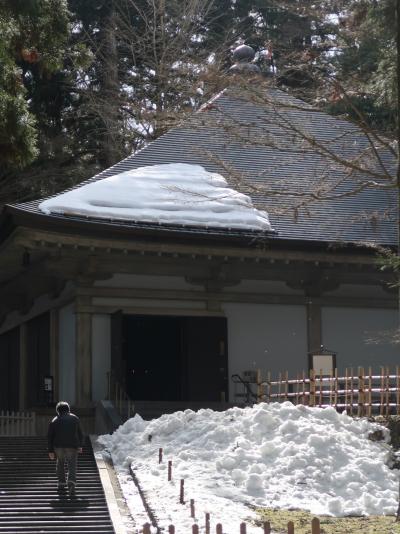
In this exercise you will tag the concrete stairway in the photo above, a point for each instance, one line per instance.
(29, 501)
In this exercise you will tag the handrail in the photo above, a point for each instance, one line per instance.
(120, 398)
(249, 393)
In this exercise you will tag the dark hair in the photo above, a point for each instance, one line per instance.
(62, 407)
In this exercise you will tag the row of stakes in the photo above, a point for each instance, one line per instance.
(315, 523)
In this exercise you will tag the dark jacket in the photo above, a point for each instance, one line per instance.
(65, 431)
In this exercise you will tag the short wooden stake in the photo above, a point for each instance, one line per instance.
(218, 528)
(182, 492)
(146, 528)
(192, 512)
(195, 529)
(171, 529)
(207, 523)
(267, 524)
(315, 526)
(160, 451)
(242, 528)
(290, 527)
(169, 470)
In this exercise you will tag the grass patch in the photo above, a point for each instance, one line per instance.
(329, 525)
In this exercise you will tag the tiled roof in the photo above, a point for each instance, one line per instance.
(236, 137)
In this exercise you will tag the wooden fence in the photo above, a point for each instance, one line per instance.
(358, 391)
(17, 423)
(315, 528)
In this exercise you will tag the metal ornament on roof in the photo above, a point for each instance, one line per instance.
(243, 55)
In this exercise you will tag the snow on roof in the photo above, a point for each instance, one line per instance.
(269, 455)
(178, 194)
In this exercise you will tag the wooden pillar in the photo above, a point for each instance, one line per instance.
(54, 352)
(314, 324)
(22, 367)
(83, 359)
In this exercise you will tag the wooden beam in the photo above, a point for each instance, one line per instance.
(29, 237)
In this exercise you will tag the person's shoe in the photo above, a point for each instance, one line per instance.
(61, 486)
(71, 488)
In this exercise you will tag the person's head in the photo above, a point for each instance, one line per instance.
(62, 408)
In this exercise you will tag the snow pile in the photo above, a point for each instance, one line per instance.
(272, 455)
(171, 194)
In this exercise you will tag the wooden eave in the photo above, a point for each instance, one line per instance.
(99, 234)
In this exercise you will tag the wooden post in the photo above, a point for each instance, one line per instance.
(160, 453)
(290, 527)
(346, 389)
(312, 387)
(320, 388)
(303, 401)
(387, 392)
(382, 392)
(218, 528)
(369, 391)
(336, 386)
(169, 470)
(267, 524)
(351, 391)
(397, 391)
(207, 523)
(242, 528)
(195, 529)
(83, 358)
(182, 492)
(286, 385)
(146, 528)
(259, 385)
(171, 529)
(360, 410)
(192, 510)
(315, 526)
(279, 387)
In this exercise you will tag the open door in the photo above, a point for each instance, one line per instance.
(205, 346)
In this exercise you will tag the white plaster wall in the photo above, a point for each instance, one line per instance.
(67, 353)
(101, 355)
(348, 332)
(363, 291)
(266, 336)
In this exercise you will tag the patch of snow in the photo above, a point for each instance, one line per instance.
(269, 455)
(176, 193)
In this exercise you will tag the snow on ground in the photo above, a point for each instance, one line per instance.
(272, 455)
(175, 193)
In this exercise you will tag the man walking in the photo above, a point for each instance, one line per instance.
(65, 440)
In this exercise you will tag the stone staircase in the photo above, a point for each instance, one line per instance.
(29, 501)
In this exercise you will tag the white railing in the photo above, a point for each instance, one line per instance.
(17, 423)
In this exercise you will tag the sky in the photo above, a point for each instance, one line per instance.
(269, 455)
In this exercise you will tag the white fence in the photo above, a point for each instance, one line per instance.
(17, 423)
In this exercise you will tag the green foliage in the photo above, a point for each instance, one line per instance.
(32, 36)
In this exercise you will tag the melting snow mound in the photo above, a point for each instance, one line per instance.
(175, 193)
(268, 455)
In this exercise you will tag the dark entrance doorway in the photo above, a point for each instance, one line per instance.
(170, 358)
(9, 370)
